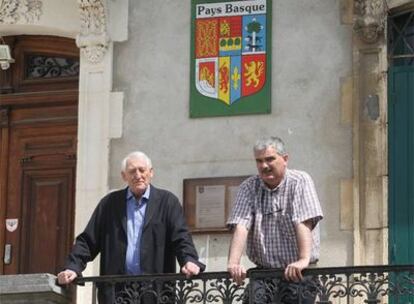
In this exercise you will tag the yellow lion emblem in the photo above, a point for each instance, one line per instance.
(253, 72)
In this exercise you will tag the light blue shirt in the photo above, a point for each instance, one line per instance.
(135, 222)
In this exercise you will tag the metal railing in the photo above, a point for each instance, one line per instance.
(362, 284)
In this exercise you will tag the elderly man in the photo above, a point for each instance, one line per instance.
(276, 213)
(138, 230)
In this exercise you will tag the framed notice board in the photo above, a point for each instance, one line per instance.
(208, 202)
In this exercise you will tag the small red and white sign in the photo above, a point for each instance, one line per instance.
(12, 224)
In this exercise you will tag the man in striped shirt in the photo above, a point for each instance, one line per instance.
(276, 213)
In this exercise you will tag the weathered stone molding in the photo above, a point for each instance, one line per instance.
(36, 288)
(93, 39)
(12, 11)
(370, 16)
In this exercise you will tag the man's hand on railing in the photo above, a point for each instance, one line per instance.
(237, 272)
(190, 269)
(293, 271)
(66, 277)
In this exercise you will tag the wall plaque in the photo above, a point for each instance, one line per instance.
(208, 202)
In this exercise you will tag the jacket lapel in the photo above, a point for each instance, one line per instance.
(152, 206)
(120, 212)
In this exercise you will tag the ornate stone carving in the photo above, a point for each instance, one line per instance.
(11, 11)
(93, 39)
(370, 19)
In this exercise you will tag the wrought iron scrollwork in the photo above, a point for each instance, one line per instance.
(188, 291)
(369, 286)
(144, 291)
(402, 284)
(39, 66)
(331, 287)
(224, 290)
(374, 284)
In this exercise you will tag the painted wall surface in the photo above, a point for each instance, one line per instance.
(311, 54)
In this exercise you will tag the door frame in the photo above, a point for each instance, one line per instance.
(28, 93)
(7, 103)
(97, 101)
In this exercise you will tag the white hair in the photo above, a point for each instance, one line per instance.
(271, 141)
(135, 154)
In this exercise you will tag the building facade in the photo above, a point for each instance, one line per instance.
(331, 67)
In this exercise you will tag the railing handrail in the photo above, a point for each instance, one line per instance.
(251, 273)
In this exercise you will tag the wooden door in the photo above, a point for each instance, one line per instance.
(401, 135)
(401, 141)
(401, 170)
(38, 142)
(401, 165)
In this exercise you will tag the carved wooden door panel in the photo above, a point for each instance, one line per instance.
(38, 143)
(40, 188)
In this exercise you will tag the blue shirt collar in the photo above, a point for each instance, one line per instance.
(145, 196)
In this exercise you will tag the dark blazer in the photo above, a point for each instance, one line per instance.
(165, 236)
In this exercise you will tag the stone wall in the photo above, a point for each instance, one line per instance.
(31, 289)
(312, 62)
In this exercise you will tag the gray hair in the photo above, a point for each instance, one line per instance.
(272, 141)
(135, 154)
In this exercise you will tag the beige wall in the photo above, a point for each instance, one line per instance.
(324, 76)
(311, 62)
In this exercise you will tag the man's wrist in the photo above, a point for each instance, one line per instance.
(233, 263)
(305, 261)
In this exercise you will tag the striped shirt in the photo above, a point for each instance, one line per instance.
(270, 216)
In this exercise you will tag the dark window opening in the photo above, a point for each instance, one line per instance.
(401, 39)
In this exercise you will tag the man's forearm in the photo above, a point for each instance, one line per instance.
(304, 240)
(238, 242)
(293, 271)
(236, 270)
